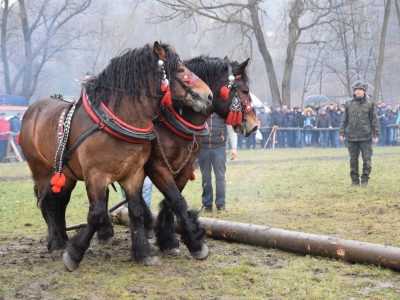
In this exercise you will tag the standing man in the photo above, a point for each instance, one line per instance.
(264, 119)
(383, 123)
(213, 155)
(15, 126)
(279, 119)
(4, 127)
(360, 123)
(323, 120)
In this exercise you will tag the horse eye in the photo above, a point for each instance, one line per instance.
(246, 92)
(181, 70)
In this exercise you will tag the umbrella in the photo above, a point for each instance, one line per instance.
(316, 98)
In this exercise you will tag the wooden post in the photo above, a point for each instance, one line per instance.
(292, 241)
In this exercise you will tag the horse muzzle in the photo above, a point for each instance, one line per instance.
(203, 101)
(245, 129)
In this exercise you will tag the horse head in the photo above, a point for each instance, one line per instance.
(242, 99)
(187, 88)
(230, 83)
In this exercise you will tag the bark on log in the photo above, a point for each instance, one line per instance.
(292, 241)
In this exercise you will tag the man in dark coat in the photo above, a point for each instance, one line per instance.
(360, 123)
(298, 122)
(383, 123)
(290, 124)
(279, 119)
(323, 120)
(265, 129)
(336, 120)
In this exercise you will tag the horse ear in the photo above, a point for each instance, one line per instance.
(159, 51)
(243, 65)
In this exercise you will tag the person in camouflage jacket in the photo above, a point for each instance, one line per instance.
(360, 123)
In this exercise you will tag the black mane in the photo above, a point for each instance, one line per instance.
(129, 73)
(209, 69)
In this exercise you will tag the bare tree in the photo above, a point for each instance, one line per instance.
(347, 43)
(247, 16)
(377, 79)
(40, 30)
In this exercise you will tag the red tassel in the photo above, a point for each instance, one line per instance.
(19, 139)
(166, 100)
(239, 118)
(55, 178)
(229, 118)
(224, 93)
(234, 119)
(58, 181)
(62, 180)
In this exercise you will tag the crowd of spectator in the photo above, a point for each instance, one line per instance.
(315, 126)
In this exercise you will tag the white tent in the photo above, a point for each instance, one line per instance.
(256, 100)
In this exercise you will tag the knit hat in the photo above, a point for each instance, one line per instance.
(379, 102)
(360, 84)
(323, 109)
(3, 114)
(276, 106)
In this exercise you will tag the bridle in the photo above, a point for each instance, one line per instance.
(187, 81)
(239, 106)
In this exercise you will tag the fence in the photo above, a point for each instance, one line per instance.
(12, 150)
(276, 128)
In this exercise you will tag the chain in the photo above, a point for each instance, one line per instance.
(190, 148)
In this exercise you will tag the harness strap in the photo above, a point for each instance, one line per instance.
(178, 125)
(67, 156)
(114, 126)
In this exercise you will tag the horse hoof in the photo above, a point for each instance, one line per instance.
(69, 263)
(201, 254)
(108, 241)
(172, 251)
(152, 261)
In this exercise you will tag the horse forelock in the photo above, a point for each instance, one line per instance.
(129, 73)
(209, 69)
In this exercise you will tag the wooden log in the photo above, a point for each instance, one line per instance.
(292, 241)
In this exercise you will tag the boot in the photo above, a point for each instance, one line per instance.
(364, 184)
(354, 184)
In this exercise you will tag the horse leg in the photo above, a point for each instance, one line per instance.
(105, 234)
(167, 241)
(97, 216)
(141, 250)
(53, 210)
(192, 233)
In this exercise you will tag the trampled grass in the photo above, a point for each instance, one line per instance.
(294, 189)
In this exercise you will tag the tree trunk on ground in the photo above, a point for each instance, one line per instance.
(292, 241)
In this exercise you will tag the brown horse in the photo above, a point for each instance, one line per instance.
(102, 138)
(178, 145)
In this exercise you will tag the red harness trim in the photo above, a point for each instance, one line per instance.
(120, 122)
(190, 79)
(185, 122)
(97, 120)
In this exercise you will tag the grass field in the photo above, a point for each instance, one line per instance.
(295, 189)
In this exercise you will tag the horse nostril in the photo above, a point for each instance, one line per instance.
(210, 96)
